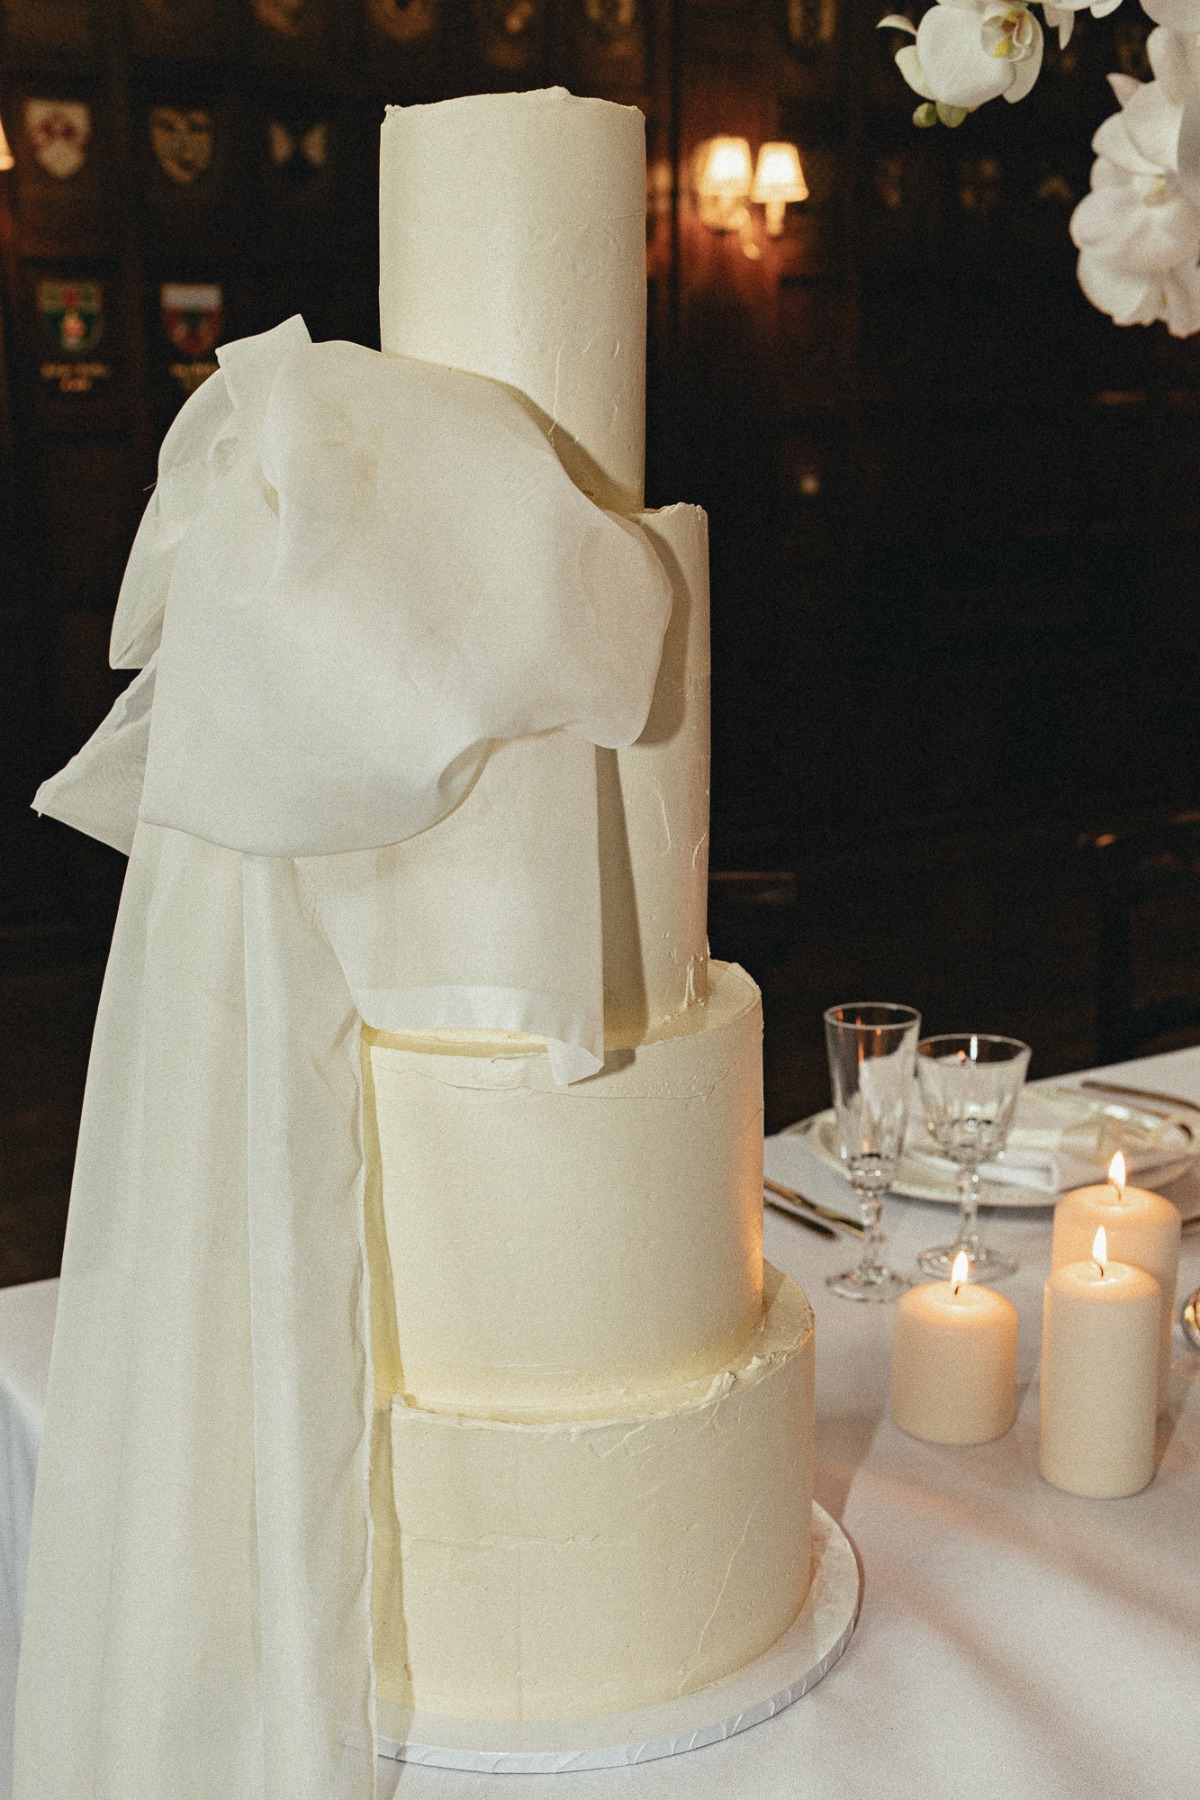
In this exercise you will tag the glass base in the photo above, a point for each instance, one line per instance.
(985, 1265)
(882, 1288)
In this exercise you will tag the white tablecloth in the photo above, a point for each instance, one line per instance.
(1014, 1642)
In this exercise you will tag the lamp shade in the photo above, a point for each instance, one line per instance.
(724, 169)
(6, 155)
(778, 175)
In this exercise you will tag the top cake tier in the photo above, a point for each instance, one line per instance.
(512, 245)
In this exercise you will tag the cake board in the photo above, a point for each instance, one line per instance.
(793, 1664)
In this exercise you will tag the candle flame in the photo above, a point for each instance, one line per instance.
(961, 1271)
(1100, 1249)
(1116, 1172)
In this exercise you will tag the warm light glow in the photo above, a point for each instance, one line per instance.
(724, 169)
(1116, 1173)
(1100, 1249)
(6, 155)
(778, 178)
(961, 1271)
(723, 175)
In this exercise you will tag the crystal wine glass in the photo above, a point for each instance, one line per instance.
(871, 1050)
(970, 1085)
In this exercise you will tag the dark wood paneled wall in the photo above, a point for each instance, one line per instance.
(955, 510)
(956, 517)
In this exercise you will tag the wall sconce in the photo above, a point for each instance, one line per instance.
(778, 179)
(724, 173)
(726, 177)
(6, 156)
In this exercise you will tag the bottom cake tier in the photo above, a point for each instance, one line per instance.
(539, 1566)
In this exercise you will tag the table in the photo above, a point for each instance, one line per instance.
(1014, 1642)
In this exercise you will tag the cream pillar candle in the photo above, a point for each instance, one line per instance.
(954, 1360)
(1140, 1228)
(1099, 1377)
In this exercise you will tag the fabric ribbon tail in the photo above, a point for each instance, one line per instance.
(198, 1604)
(310, 1334)
(138, 1663)
(99, 792)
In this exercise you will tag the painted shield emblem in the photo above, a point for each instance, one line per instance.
(193, 314)
(405, 21)
(298, 155)
(58, 133)
(182, 138)
(72, 314)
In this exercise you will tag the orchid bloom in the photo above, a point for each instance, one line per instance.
(1060, 14)
(971, 51)
(1177, 15)
(1137, 231)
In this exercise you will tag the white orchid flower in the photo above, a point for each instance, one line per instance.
(1178, 15)
(909, 64)
(1175, 59)
(1137, 232)
(907, 60)
(970, 51)
(1173, 297)
(1062, 20)
(1060, 14)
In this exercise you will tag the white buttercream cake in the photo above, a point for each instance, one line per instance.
(592, 1454)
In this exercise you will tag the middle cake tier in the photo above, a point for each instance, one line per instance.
(564, 1247)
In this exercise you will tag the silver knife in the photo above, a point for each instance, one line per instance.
(800, 1216)
(1176, 1102)
(776, 1192)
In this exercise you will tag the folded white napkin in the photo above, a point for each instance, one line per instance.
(1063, 1138)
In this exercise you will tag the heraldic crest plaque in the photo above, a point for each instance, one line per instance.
(58, 133)
(193, 315)
(71, 314)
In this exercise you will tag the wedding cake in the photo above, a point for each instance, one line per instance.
(591, 1461)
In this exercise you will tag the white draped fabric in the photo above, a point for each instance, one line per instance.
(382, 634)
(25, 1334)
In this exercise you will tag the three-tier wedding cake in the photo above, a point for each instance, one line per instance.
(414, 796)
(592, 1448)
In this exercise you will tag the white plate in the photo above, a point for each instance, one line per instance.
(922, 1181)
(807, 1650)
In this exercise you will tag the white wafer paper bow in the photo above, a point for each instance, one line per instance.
(382, 632)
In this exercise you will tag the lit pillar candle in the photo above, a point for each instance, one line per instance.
(954, 1361)
(1099, 1377)
(1139, 1227)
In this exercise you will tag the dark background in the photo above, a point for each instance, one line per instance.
(955, 513)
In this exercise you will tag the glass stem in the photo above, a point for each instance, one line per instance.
(870, 1263)
(968, 1211)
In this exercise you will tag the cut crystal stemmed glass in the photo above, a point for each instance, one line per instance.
(871, 1048)
(970, 1084)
